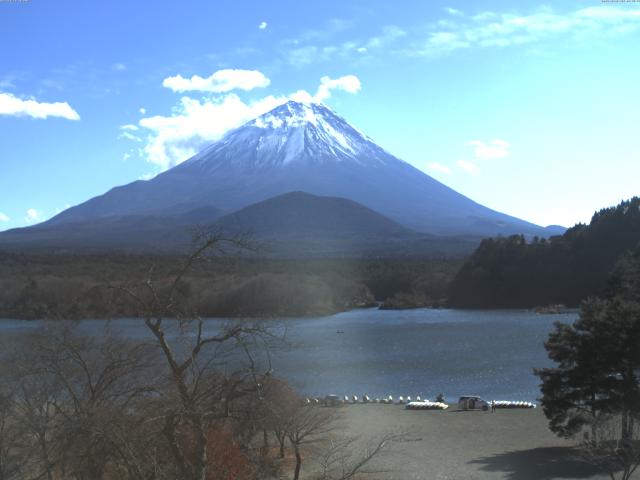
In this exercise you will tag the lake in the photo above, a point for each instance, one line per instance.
(407, 352)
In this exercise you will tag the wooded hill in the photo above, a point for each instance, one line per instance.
(512, 272)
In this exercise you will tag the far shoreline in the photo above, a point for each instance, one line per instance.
(314, 315)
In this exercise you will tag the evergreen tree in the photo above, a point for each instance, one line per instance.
(597, 374)
(579, 389)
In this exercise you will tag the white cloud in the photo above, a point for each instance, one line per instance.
(456, 30)
(263, 25)
(494, 149)
(130, 136)
(302, 96)
(129, 126)
(142, 110)
(119, 67)
(304, 55)
(4, 217)
(147, 176)
(347, 83)
(194, 123)
(315, 47)
(218, 82)
(468, 167)
(60, 210)
(6, 83)
(390, 33)
(33, 216)
(439, 167)
(12, 105)
(325, 32)
(495, 29)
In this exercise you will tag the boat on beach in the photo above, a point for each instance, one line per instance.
(426, 405)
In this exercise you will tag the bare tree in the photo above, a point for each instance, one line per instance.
(198, 394)
(12, 458)
(278, 402)
(36, 401)
(190, 403)
(343, 460)
(78, 401)
(308, 424)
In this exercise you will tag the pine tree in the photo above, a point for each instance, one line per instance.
(596, 379)
(578, 390)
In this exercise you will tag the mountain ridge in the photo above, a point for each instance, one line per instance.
(306, 148)
(295, 224)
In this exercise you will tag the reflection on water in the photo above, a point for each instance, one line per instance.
(408, 352)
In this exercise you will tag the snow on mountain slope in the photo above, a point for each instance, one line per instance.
(293, 132)
(307, 148)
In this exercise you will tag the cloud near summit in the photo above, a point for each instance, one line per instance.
(348, 83)
(219, 82)
(494, 149)
(197, 122)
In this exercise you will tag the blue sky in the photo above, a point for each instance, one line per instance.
(528, 108)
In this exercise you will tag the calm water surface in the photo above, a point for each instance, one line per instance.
(408, 352)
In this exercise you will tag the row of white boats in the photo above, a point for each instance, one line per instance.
(511, 404)
(354, 399)
(418, 403)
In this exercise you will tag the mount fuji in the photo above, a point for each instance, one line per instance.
(296, 147)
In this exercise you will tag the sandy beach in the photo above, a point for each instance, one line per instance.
(453, 444)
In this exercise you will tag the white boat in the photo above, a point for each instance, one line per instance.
(426, 405)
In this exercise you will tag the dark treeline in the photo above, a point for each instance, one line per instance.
(79, 286)
(515, 273)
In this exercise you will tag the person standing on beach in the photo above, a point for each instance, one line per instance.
(493, 406)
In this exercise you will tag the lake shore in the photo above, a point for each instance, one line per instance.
(403, 352)
(454, 444)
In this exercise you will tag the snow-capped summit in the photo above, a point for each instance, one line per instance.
(309, 133)
(302, 147)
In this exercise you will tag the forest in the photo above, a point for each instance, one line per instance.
(503, 272)
(514, 272)
(81, 286)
